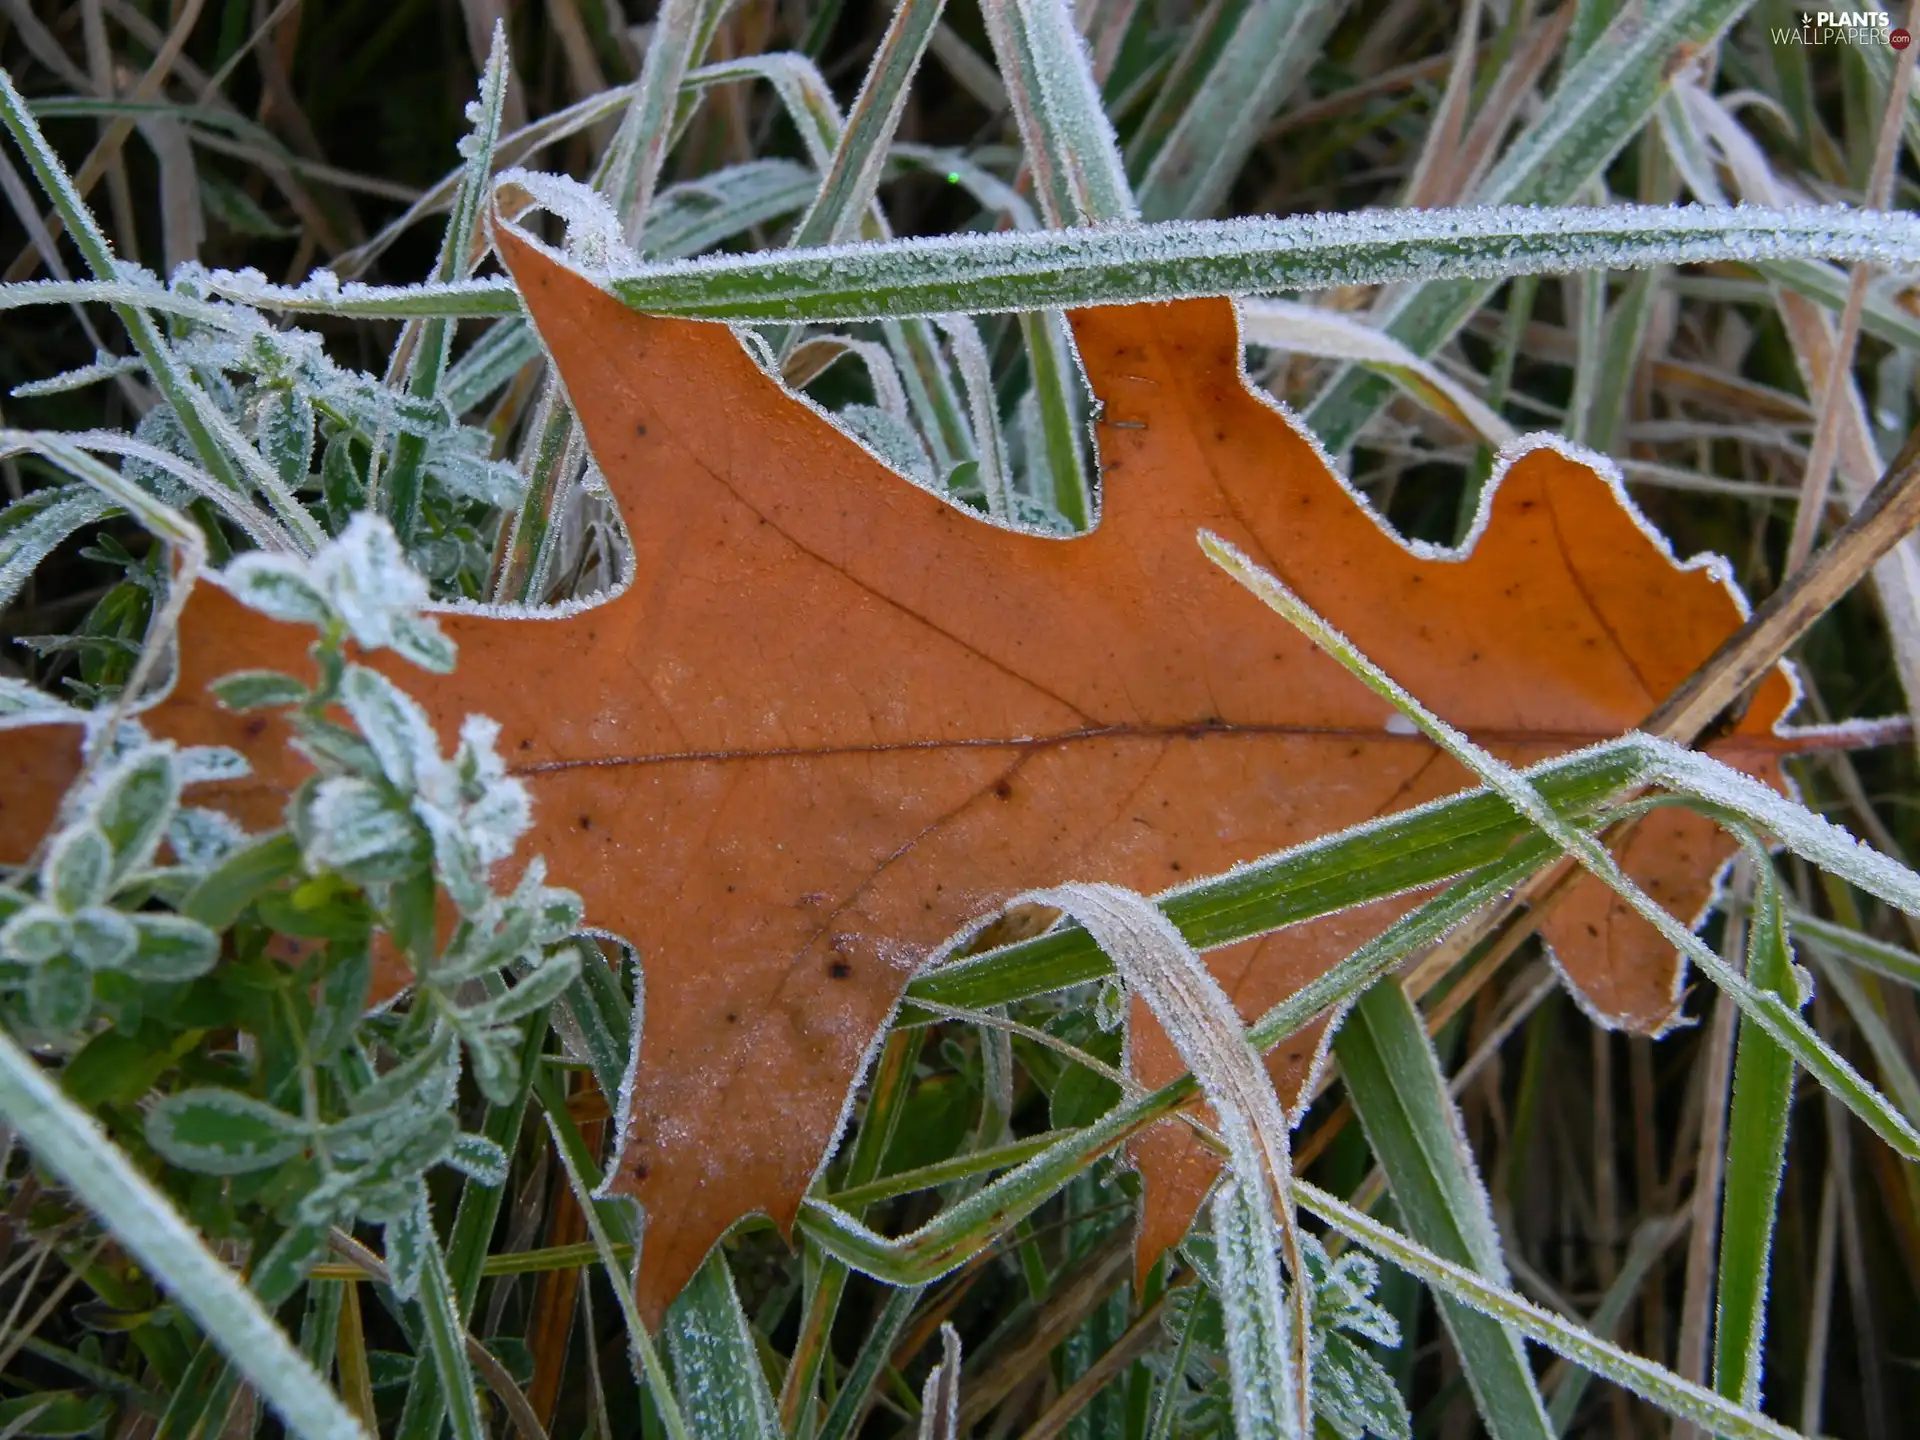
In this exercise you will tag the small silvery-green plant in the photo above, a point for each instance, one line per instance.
(76, 936)
(384, 825)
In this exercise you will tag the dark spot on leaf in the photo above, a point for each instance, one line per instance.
(586, 822)
(732, 1019)
(640, 1170)
(1002, 790)
(1593, 931)
(639, 429)
(526, 744)
(839, 970)
(257, 725)
(1173, 865)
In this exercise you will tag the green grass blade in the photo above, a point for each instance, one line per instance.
(67, 1141)
(1251, 76)
(1401, 1099)
(446, 1340)
(1889, 1055)
(631, 167)
(1122, 264)
(1799, 828)
(723, 1390)
(1078, 175)
(647, 1363)
(848, 187)
(430, 341)
(1756, 1159)
(1037, 270)
(1876, 955)
(1057, 387)
(1404, 852)
(875, 1351)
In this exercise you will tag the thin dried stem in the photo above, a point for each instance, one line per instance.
(1826, 435)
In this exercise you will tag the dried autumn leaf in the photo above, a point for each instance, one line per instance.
(833, 718)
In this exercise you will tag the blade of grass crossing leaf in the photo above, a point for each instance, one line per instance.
(428, 342)
(958, 1232)
(1780, 1020)
(1250, 77)
(1401, 1099)
(1121, 264)
(1032, 270)
(848, 187)
(68, 1142)
(1404, 852)
(722, 1389)
(924, 369)
(1756, 1158)
(647, 1364)
(1600, 102)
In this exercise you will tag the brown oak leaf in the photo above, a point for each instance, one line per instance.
(833, 718)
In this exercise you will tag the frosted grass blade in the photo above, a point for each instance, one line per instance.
(1119, 264)
(722, 1389)
(1078, 176)
(1756, 1157)
(1253, 74)
(425, 345)
(1400, 1096)
(66, 1140)
(1122, 264)
(1057, 386)
(847, 188)
(1400, 853)
(1889, 1055)
(1842, 942)
(646, 1355)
